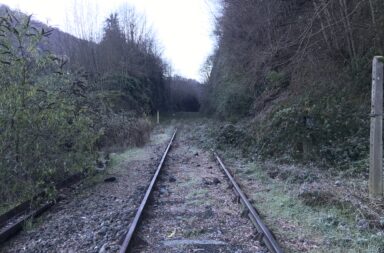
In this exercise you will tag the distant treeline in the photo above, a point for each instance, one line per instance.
(301, 70)
(64, 99)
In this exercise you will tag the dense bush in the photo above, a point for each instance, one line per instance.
(58, 111)
(46, 128)
(233, 103)
(125, 93)
(124, 130)
(305, 67)
(310, 129)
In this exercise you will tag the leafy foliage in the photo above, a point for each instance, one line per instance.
(57, 111)
(124, 93)
(316, 130)
(46, 128)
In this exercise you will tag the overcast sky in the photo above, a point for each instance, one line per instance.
(183, 27)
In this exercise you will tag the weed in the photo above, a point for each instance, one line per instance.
(198, 193)
(130, 154)
(194, 232)
(320, 227)
(32, 223)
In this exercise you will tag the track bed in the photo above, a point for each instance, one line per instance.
(193, 209)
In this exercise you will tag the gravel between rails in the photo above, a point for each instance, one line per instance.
(193, 209)
(95, 217)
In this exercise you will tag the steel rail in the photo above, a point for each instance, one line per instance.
(132, 229)
(9, 231)
(13, 221)
(262, 229)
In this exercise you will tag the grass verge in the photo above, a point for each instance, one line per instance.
(304, 228)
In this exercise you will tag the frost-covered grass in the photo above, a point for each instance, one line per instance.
(130, 154)
(325, 227)
(163, 135)
(304, 228)
(160, 135)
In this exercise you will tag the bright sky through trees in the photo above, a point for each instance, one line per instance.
(183, 27)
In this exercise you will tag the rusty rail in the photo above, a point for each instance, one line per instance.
(262, 229)
(132, 229)
(8, 231)
(13, 221)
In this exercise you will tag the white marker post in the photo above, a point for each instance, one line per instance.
(376, 138)
(158, 117)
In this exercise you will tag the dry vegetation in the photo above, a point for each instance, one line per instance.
(298, 89)
(301, 71)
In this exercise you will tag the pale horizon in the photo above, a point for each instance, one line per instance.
(183, 28)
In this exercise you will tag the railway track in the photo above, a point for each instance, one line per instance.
(12, 222)
(132, 229)
(263, 233)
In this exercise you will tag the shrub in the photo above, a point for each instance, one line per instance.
(331, 129)
(125, 93)
(46, 128)
(124, 130)
(233, 102)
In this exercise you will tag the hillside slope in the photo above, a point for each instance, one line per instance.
(300, 70)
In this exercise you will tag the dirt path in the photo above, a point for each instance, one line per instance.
(193, 209)
(95, 216)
